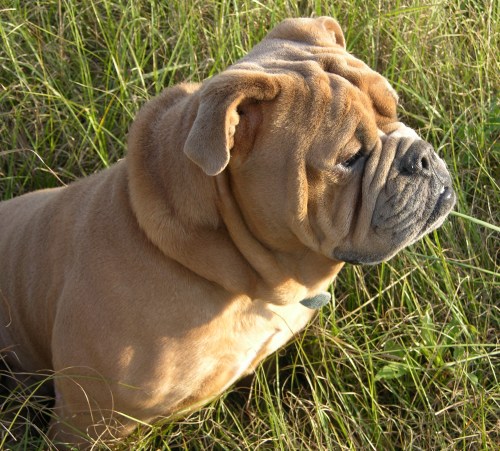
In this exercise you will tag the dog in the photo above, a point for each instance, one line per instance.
(152, 286)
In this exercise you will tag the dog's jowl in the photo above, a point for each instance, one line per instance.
(150, 287)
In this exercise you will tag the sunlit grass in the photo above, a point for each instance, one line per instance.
(407, 355)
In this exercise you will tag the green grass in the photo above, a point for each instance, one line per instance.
(407, 356)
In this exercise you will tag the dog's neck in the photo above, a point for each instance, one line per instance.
(198, 223)
(284, 277)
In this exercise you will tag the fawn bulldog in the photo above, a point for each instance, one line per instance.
(150, 287)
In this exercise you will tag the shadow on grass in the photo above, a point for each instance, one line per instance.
(26, 402)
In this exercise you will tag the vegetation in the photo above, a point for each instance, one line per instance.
(407, 355)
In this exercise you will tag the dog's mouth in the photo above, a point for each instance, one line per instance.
(444, 204)
(424, 211)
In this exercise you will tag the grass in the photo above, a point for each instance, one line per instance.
(407, 355)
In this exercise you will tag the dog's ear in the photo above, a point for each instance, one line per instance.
(212, 135)
(321, 31)
(333, 28)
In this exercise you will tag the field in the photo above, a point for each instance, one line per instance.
(407, 355)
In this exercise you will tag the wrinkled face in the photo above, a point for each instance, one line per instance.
(391, 190)
(374, 186)
(346, 185)
(405, 192)
(320, 159)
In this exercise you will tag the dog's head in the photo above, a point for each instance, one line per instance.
(310, 140)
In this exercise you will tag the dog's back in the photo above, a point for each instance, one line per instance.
(22, 261)
(39, 242)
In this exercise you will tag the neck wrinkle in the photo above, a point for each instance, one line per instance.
(173, 201)
(275, 283)
(199, 224)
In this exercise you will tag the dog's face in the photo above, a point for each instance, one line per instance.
(310, 140)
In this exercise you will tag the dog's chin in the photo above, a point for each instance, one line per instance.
(383, 248)
(358, 258)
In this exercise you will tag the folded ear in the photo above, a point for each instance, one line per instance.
(212, 135)
(332, 27)
(321, 31)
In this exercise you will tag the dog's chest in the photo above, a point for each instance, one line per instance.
(270, 328)
(221, 352)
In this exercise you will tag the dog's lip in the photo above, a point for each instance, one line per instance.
(446, 196)
(446, 192)
(444, 204)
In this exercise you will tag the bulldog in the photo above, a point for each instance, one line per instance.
(150, 287)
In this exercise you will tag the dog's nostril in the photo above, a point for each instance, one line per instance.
(425, 163)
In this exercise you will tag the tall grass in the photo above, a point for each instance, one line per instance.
(407, 355)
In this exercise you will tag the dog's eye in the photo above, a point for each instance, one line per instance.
(352, 160)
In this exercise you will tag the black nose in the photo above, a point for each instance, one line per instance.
(417, 159)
